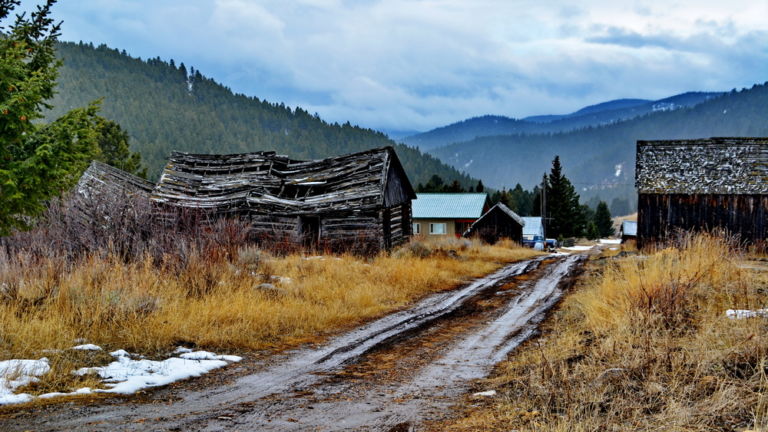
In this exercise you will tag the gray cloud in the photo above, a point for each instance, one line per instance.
(423, 63)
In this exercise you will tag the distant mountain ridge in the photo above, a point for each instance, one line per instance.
(590, 116)
(601, 160)
(165, 107)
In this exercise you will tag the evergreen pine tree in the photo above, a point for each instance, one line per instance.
(592, 231)
(36, 162)
(603, 220)
(480, 187)
(563, 213)
(114, 148)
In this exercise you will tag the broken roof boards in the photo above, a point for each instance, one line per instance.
(360, 200)
(702, 184)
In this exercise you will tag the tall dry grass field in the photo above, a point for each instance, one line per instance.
(233, 301)
(643, 344)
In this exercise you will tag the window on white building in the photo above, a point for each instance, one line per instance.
(437, 228)
(417, 228)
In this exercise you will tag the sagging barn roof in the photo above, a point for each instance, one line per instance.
(703, 166)
(264, 182)
(105, 179)
(450, 205)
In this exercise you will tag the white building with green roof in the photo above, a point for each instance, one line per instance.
(447, 213)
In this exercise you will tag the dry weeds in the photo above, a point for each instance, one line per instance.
(234, 302)
(643, 344)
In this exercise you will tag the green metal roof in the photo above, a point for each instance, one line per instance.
(449, 205)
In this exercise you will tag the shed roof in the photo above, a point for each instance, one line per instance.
(533, 226)
(703, 166)
(449, 205)
(629, 228)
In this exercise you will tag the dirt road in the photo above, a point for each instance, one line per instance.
(391, 374)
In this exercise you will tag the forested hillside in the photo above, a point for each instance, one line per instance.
(601, 160)
(593, 115)
(166, 107)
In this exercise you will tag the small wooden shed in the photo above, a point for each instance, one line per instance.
(702, 184)
(497, 223)
(359, 202)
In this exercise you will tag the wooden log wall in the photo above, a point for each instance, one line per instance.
(660, 215)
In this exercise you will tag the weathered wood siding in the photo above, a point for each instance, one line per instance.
(660, 215)
(496, 224)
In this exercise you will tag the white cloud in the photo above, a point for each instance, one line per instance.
(424, 63)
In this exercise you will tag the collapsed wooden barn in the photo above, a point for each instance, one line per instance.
(102, 188)
(716, 183)
(359, 202)
(109, 208)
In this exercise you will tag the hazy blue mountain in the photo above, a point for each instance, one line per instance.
(613, 105)
(593, 115)
(397, 134)
(600, 160)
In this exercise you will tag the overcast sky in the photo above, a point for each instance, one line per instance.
(418, 64)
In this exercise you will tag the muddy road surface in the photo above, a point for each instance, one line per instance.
(393, 373)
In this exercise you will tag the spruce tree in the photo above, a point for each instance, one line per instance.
(563, 213)
(114, 148)
(603, 220)
(36, 162)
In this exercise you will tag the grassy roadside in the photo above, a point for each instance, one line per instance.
(641, 344)
(247, 300)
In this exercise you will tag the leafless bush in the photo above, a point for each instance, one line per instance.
(128, 227)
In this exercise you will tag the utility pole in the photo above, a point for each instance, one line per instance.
(544, 205)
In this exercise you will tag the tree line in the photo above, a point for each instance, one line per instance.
(166, 106)
(564, 215)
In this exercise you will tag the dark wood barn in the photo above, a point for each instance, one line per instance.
(497, 223)
(359, 202)
(716, 183)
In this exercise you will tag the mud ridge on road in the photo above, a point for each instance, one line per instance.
(439, 345)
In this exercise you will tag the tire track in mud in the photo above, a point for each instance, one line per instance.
(310, 389)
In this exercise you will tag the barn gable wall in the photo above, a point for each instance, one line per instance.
(660, 215)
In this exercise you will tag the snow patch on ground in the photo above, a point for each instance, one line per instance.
(123, 376)
(746, 313)
(18, 373)
(610, 241)
(578, 248)
(87, 347)
(126, 376)
(205, 355)
(82, 391)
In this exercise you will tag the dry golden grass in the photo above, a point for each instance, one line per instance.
(643, 344)
(215, 301)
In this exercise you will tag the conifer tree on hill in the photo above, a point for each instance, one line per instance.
(39, 161)
(564, 216)
(36, 162)
(603, 220)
